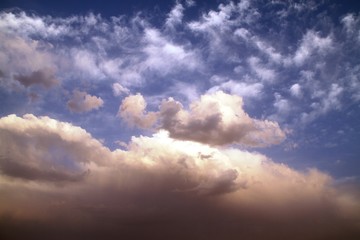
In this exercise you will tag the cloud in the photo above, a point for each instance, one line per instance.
(283, 108)
(25, 61)
(132, 111)
(83, 102)
(295, 90)
(310, 44)
(86, 62)
(45, 77)
(262, 45)
(261, 71)
(43, 149)
(216, 119)
(158, 180)
(175, 16)
(118, 89)
(330, 100)
(165, 56)
(243, 89)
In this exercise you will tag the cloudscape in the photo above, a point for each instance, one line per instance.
(180, 120)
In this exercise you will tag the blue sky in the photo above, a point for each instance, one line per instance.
(267, 78)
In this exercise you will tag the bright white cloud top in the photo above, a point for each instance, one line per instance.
(235, 121)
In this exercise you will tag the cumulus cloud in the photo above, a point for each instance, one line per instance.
(216, 119)
(83, 102)
(158, 180)
(46, 150)
(132, 110)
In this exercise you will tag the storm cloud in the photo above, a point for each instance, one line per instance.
(159, 187)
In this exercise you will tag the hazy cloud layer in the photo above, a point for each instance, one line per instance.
(189, 187)
(215, 119)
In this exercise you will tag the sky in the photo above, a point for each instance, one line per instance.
(180, 119)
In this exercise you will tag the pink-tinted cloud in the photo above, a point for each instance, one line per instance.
(215, 119)
(83, 102)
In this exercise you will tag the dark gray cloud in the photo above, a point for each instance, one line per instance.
(44, 77)
(26, 171)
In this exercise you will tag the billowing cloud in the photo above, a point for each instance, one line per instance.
(132, 110)
(46, 150)
(216, 119)
(83, 102)
(158, 180)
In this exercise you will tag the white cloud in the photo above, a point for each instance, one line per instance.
(118, 89)
(165, 56)
(262, 45)
(310, 44)
(243, 89)
(83, 102)
(262, 71)
(218, 19)
(295, 90)
(282, 107)
(332, 101)
(175, 16)
(86, 61)
(329, 101)
(349, 22)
